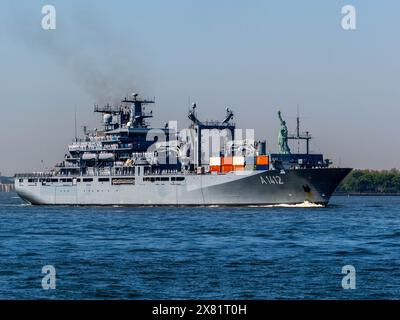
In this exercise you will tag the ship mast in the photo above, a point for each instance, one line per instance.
(301, 136)
(137, 114)
(129, 117)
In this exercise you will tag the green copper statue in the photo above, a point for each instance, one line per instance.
(283, 137)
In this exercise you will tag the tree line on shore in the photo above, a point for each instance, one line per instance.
(371, 181)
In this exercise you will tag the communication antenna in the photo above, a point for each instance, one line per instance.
(298, 128)
(76, 132)
(300, 136)
(85, 130)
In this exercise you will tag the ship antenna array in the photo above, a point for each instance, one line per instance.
(76, 130)
(298, 128)
(300, 136)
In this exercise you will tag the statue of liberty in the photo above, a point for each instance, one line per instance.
(283, 137)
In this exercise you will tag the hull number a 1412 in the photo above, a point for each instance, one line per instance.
(271, 180)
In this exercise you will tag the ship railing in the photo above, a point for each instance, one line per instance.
(120, 171)
(218, 123)
(34, 175)
(67, 166)
(101, 147)
(107, 108)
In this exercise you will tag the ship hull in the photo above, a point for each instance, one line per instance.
(233, 189)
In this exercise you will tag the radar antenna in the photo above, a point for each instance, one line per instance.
(301, 136)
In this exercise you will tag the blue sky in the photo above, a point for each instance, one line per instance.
(254, 56)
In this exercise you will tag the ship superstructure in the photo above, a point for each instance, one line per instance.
(128, 162)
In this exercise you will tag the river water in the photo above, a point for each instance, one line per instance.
(201, 253)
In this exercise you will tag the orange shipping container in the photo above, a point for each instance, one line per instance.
(238, 168)
(215, 168)
(227, 168)
(262, 160)
(227, 161)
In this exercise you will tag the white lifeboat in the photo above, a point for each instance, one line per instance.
(89, 156)
(106, 156)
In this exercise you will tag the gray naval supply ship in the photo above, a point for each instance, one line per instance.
(129, 163)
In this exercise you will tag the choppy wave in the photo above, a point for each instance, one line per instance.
(103, 248)
(305, 204)
(15, 205)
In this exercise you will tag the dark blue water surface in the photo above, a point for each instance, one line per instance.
(201, 253)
